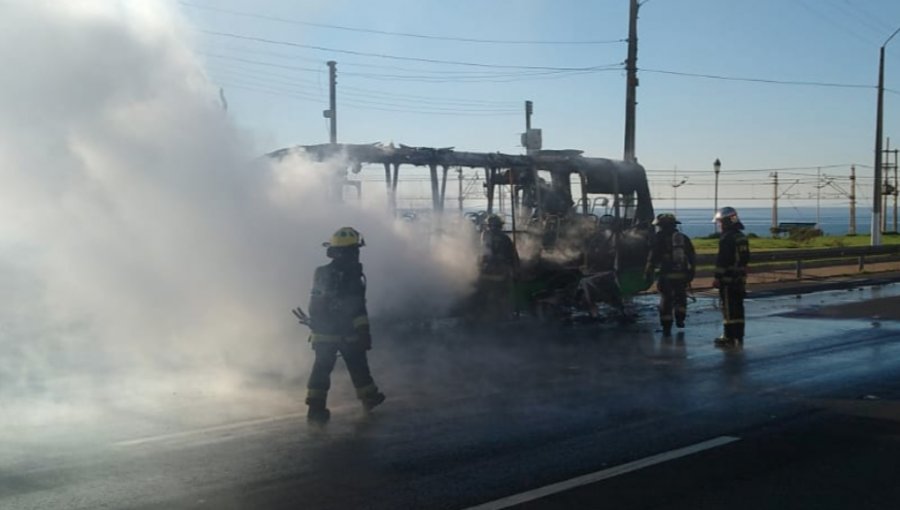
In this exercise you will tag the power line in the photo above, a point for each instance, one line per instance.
(836, 23)
(404, 96)
(782, 169)
(869, 22)
(364, 105)
(761, 80)
(269, 91)
(365, 94)
(398, 34)
(393, 57)
(262, 63)
(464, 113)
(497, 77)
(344, 64)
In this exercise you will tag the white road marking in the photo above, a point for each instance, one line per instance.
(659, 458)
(216, 428)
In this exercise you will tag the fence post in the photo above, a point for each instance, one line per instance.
(799, 269)
(862, 263)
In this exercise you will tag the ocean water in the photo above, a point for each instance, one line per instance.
(758, 220)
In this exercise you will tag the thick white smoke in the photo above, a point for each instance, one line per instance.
(141, 235)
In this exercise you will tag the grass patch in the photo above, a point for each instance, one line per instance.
(706, 245)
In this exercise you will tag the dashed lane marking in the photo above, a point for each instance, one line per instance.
(605, 474)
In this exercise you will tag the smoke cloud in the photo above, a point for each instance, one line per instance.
(143, 239)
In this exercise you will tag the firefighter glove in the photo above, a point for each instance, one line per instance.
(364, 337)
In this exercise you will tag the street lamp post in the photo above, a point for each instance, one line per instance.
(675, 194)
(717, 167)
(879, 116)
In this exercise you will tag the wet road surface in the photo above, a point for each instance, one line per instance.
(473, 419)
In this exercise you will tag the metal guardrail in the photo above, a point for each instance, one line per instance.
(799, 259)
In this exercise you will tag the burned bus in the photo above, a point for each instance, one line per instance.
(582, 226)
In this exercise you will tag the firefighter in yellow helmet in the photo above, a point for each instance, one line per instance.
(340, 324)
(673, 253)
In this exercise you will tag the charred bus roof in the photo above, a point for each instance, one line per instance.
(598, 175)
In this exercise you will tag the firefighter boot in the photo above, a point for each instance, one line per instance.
(724, 341)
(317, 413)
(667, 328)
(372, 401)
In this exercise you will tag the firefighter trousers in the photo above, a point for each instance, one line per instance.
(672, 301)
(326, 356)
(731, 296)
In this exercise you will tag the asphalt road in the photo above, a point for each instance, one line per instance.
(807, 415)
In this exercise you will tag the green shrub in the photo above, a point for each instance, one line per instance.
(803, 235)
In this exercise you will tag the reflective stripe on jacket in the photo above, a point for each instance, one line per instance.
(733, 256)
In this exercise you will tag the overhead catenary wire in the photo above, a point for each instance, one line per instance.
(400, 34)
(780, 169)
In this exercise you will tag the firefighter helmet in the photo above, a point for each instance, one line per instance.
(495, 222)
(726, 215)
(666, 219)
(345, 237)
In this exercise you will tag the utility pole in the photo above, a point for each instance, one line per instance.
(818, 194)
(533, 142)
(675, 186)
(876, 194)
(717, 167)
(894, 189)
(889, 164)
(879, 122)
(331, 112)
(460, 181)
(774, 176)
(631, 82)
(852, 200)
(896, 184)
(529, 109)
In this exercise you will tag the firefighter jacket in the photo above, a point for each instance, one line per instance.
(673, 252)
(499, 257)
(733, 256)
(337, 304)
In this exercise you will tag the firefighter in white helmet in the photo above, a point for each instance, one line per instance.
(731, 275)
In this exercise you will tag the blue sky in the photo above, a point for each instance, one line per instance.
(277, 90)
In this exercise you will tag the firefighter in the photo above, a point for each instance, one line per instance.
(673, 253)
(339, 323)
(731, 275)
(498, 265)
